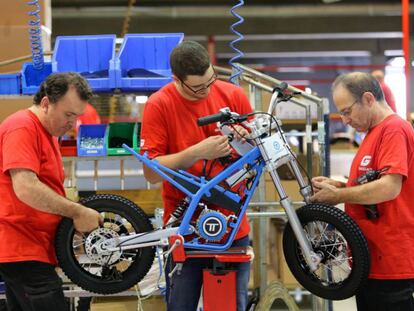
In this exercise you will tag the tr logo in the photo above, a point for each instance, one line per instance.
(212, 226)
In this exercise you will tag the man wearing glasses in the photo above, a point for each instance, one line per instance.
(171, 135)
(382, 207)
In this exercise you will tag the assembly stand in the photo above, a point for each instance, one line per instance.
(219, 283)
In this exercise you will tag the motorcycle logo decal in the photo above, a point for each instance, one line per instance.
(212, 226)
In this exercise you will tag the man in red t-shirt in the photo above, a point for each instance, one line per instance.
(171, 135)
(387, 147)
(33, 197)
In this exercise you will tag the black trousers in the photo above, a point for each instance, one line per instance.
(386, 295)
(32, 286)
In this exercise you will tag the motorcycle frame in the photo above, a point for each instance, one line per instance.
(257, 159)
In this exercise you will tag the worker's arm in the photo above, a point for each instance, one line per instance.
(210, 148)
(30, 190)
(387, 188)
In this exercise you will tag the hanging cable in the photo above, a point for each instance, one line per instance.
(127, 19)
(236, 69)
(35, 35)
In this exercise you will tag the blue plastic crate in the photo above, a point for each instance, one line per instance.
(89, 132)
(10, 84)
(91, 56)
(143, 61)
(32, 78)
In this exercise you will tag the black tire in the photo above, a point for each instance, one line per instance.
(334, 235)
(118, 271)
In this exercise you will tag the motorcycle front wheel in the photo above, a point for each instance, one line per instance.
(339, 242)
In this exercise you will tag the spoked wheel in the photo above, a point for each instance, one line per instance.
(110, 272)
(340, 244)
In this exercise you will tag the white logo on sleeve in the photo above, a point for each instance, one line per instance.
(142, 143)
(365, 160)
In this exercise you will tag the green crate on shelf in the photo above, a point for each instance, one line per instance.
(122, 133)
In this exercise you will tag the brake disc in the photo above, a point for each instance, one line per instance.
(96, 245)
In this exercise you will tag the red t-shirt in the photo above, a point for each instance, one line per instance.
(388, 96)
(391, 236)
(89, 116)
(169, 126)
(27, 233)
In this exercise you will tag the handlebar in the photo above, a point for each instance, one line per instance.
(223, 117)
(218, 117)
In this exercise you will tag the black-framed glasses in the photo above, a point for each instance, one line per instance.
(347, 111)
(203, 87)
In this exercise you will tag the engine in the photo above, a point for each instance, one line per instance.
(211, 225)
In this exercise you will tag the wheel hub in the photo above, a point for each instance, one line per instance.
(96, 245)
(327, 250)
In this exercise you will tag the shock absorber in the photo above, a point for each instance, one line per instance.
(179, 211)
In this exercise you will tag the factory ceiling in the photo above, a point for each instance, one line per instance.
(304, 42)
(288, 30)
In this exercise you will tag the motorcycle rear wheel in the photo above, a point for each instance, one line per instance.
(114, 272)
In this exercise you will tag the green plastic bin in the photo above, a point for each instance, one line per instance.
(122, 133)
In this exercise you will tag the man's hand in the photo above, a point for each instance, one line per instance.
(240, 133)
(212, 147)
(326, 193)
(87, 219)
(317, 181)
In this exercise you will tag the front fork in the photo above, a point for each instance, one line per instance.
(312, 259)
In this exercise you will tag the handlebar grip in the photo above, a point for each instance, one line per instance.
(218, 117)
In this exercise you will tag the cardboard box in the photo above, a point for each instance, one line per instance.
(11, 104)
(276, 259)
(291, 188)
(284, 274)
(286, 174)
(14, 43)
(17, 12)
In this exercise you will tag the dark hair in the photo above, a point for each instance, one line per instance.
(56, 85)
(357, 83)
(189, 58)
